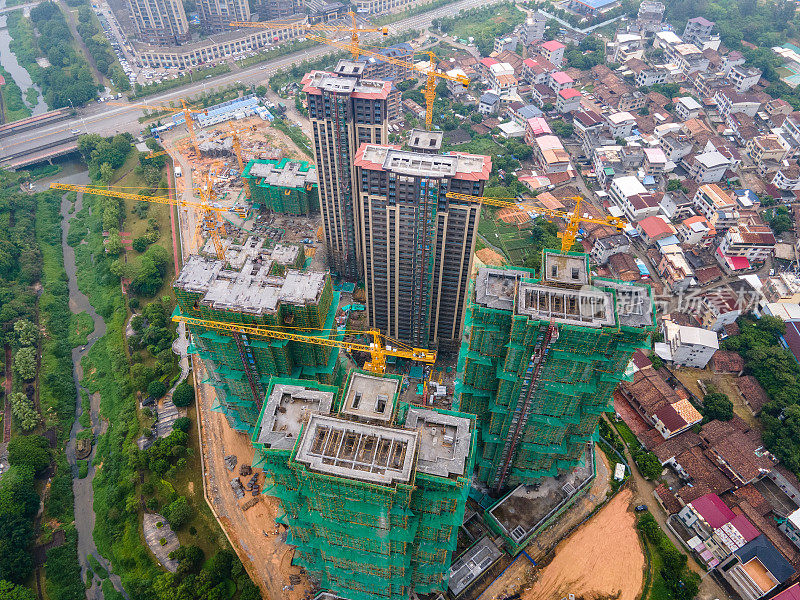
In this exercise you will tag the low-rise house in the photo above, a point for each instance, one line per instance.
(589, 127)
(645, 75)
(655, 161)
(716, 205)
(755, 569)
(505, 43)
(675, 146)
(745, 240)
(534, 128)
(783, 287)
(620, 124)
(553, 51)
(659, 404)
(708, 167)
(743, 78)
(787, 177)
(541, 94)
(730, 102)
(676, 205)
(626, 46)
(568, 100)
(550, 154)
(765, 148)
(520, 113)
(696, 231)
(489, 104)
(560, 81)
(687, 108)
(654, 228)
(501, 78)
(727, 363)
(537, 69)
(687, 346)
(606, 247)
(453, 86)
(675, 270)
(718, 308)
(633, 199)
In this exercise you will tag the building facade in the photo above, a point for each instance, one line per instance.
(373, 491)
(161, 22)
(345, 111)
(217, 15)
(417, 243)
(541, 360)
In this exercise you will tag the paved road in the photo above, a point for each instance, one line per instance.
(107, 119)
(28, 6)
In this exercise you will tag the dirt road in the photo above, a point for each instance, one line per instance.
(602, 559)
(253, 532)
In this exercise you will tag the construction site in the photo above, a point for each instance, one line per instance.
(344, 463)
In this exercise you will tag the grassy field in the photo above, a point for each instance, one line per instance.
(515, 243)
(466, 28)
(80, 326)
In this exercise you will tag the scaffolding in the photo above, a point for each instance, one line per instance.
(539, 362)
(239, 366)
(372, 500)
(284, 186)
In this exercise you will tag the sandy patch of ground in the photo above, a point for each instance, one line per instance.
(602, 559)
(723, 382)
(253, 532)
(489, 257)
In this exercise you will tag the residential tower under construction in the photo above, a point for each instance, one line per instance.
(263, 288)
(540, 360)
(284, 186)
(373, 490)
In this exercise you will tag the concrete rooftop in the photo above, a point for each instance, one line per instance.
(444, 441)
(285, 411)
(370, 397)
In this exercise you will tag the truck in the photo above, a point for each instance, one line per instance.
(178, 171)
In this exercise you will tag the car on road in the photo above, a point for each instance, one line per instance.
(75, 131)
(641, 508)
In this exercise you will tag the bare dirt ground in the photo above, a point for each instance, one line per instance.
(253, 533)
(724, 383)
(602, 559)
(489, 257)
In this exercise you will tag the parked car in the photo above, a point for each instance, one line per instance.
(641, 508)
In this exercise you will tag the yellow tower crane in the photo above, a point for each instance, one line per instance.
(573, 219)
(379, 349)
(431, 73)
(154, 154)
(211, 213)
(187, 115)
(354, 30)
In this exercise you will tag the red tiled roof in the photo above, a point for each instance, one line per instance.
(713, 510)
(668, 499)
(753, 393)
(725, 361)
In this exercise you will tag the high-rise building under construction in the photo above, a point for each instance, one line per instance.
(417, 244)
(160, 22)
(264, 288)
(373, 490)
(346, 111)
(540, 360)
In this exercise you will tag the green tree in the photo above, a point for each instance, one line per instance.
(183, 395)
(182, 424)
(178, 512)
(717, 406)
(10, 591)
(23, 410)
(156, 389)
(25, 362)
(26, 332)
(31, 451)
(114, 245)
(649, 465)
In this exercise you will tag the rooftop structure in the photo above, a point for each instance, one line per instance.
(245, 289)
(284, 186)
(362, 490)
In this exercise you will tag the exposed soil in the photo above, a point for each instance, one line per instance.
(603, 559)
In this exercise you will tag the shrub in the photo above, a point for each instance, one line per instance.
(178, 512)
(29, 450)
(182, 424)
(156, 389)
(183, 395)
(163, 541)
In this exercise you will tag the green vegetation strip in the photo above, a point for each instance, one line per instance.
(13, 105)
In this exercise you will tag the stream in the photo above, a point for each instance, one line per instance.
(78, 302)
(20, 75)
